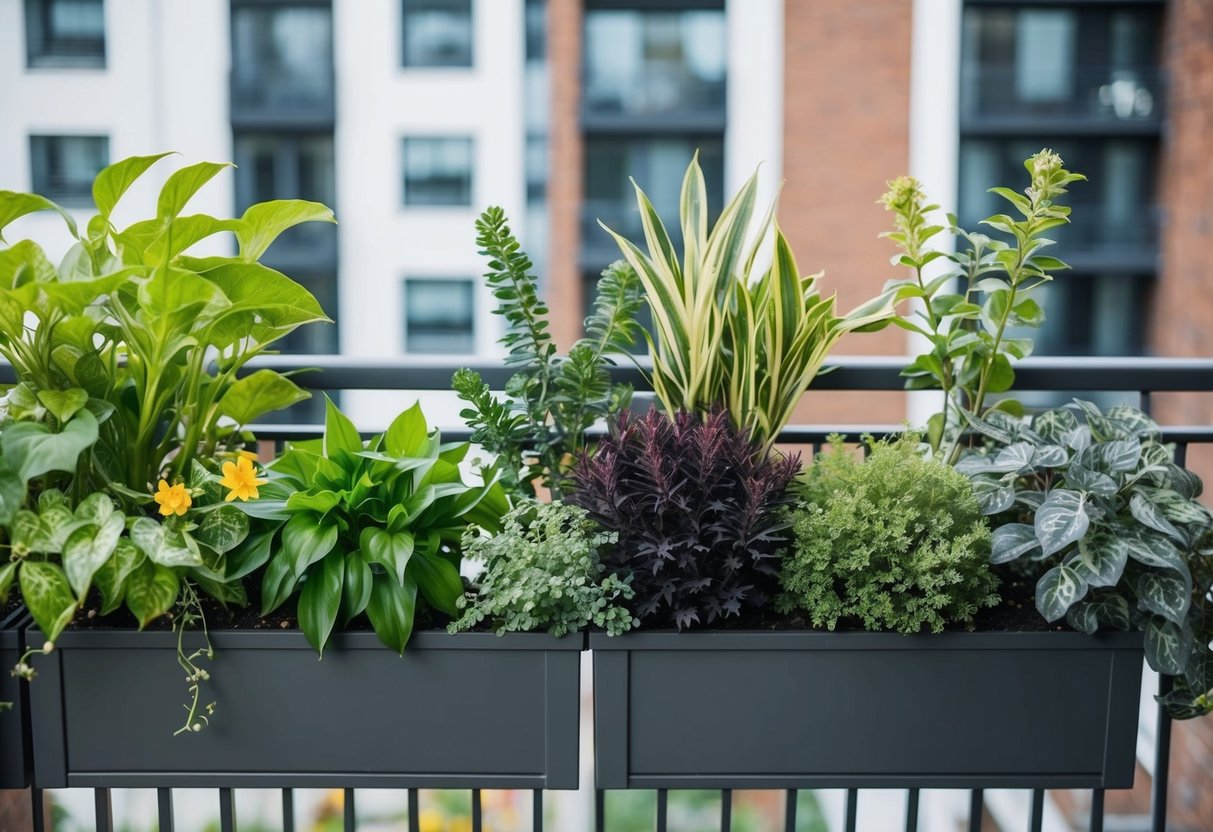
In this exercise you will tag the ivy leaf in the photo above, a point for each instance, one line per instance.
(1061, 520)
(1058, 590)
(1012, 541)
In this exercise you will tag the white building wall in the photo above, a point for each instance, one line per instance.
(754, 129)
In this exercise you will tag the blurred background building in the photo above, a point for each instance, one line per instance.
(410, 116)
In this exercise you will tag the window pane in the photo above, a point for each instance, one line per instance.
(645, 62)
(438, 171)
(438, 316)
(63, 167)
(437, 33)
(65, 33)
(282, 57)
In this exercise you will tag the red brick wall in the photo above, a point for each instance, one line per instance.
(846, 132)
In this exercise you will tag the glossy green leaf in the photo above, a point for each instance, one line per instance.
(1061, 520)
(14, 205)
(1058, 590)
(151, 590)
(110, 578)
(183, 184)
(392, 551)
(222, 529)
(259, 393)
(114, 181)
(1166, 594)
(87, 549)
(391, 609)
(1013, 541)
(356, 588)
(319, 601)
(438, 580)
(162, 548)
(48, 595)
(1105, 612)
(407, 434)
(263, 222)
(306, 540)
(63, 404)
(339, 432)
(1100, 558)
(1167, 646)
(1148, 514)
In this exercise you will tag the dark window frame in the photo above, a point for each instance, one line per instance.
(42, 50)
(70, 195)
(459, 65)
(470, 199)
(468, 284)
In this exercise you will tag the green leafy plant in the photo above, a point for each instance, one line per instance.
(895, 542)
(1096, 501)
(364, 527)
(727, 329)
(542, 572)
(968, 312)
(540, 426)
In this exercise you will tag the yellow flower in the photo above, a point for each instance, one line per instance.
(241, 478)
(249, 455)
(430, 820)
(173, 499)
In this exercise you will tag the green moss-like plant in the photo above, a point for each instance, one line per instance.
(896, 541)
(542, 571)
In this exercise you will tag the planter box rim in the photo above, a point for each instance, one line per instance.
(12, 621)
(295, 640)
(859, 640)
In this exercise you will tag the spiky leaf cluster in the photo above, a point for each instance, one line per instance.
(894, 542)
(542, 572)
(540, 424)
(695, 505)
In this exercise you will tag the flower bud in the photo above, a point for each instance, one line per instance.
(48, 648)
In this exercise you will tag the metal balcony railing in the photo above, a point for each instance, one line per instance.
(1102, 94)
(1138, 378)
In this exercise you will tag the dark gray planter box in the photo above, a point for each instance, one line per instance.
(855, 710)
(472, 709)
(15, 757)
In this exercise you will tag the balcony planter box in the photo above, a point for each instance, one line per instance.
(15, 758)
(455, 711)
(819, 710)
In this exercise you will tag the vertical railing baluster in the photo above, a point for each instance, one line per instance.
(789, 814)
(414, 812)
(599, 810)
(1144, 398)
(852, 810)
(663, 799)
(1162, 760)
(912, 810)
(349, 811)
(976, 810)
(726, 810)
(37, 808)
(477, 820)
(227, 811)
(105, 810)
(288, 810)
(537, 810)
(164, 802)
(1038, 810)
(1096, 824)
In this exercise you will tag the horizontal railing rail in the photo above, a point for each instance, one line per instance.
(1140, 377)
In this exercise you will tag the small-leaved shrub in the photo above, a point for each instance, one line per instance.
(896, 542)
(542, 571)
(695, 503)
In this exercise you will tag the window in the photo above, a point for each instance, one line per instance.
(282, 57)
(65, 33)
(439, 316)
(649, 62)
(290, 166)
(437, 33)
(438, 171)
(63, 167)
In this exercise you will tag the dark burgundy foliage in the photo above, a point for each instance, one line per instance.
(695, 504)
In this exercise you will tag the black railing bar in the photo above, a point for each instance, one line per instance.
(852, 815)
(349, 811)
(537, 810)
(726, 810)
(1143, 403)
(414, 812)
(164, 802)
(477, 814)
(912, 810)
(288, 810)
(1097, 811)
(789, 813)
(599, 810)
(976, 810)
(663, 805)
(227, 811)
(1038, 810)
(1162, 760)
(37, 808)
(104, 810)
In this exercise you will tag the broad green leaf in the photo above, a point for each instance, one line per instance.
(258, 294)
(23, 264)
(438, 580)
(263, 222)
(391, 551)
(1167, 646)
(1103, 612)
(356, 588)
(321, 501)
(161, 547)
(1148, 514)
(1100, 558)
(305, 540)
(1154, 550)
(993, 497)
(12, 492)
(1060, 521)
(151, 590)
(1166, 594)
(339, 432)
(87, 549)
(39, 450)
(63, 404)
(182, 185)
(1013, 541)
(96, 508)
(182, 234)
(319, 601)
(112, 182)
(175, 292)
(223, 529)
(1083, 479)
(277, 582)
(110, 579)
(14, 205)
(407, 434)
(48, 595)
(250, 555)
(1058, 590)
(259, 393)
(391, 609)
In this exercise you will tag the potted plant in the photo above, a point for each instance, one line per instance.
(895, 549)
